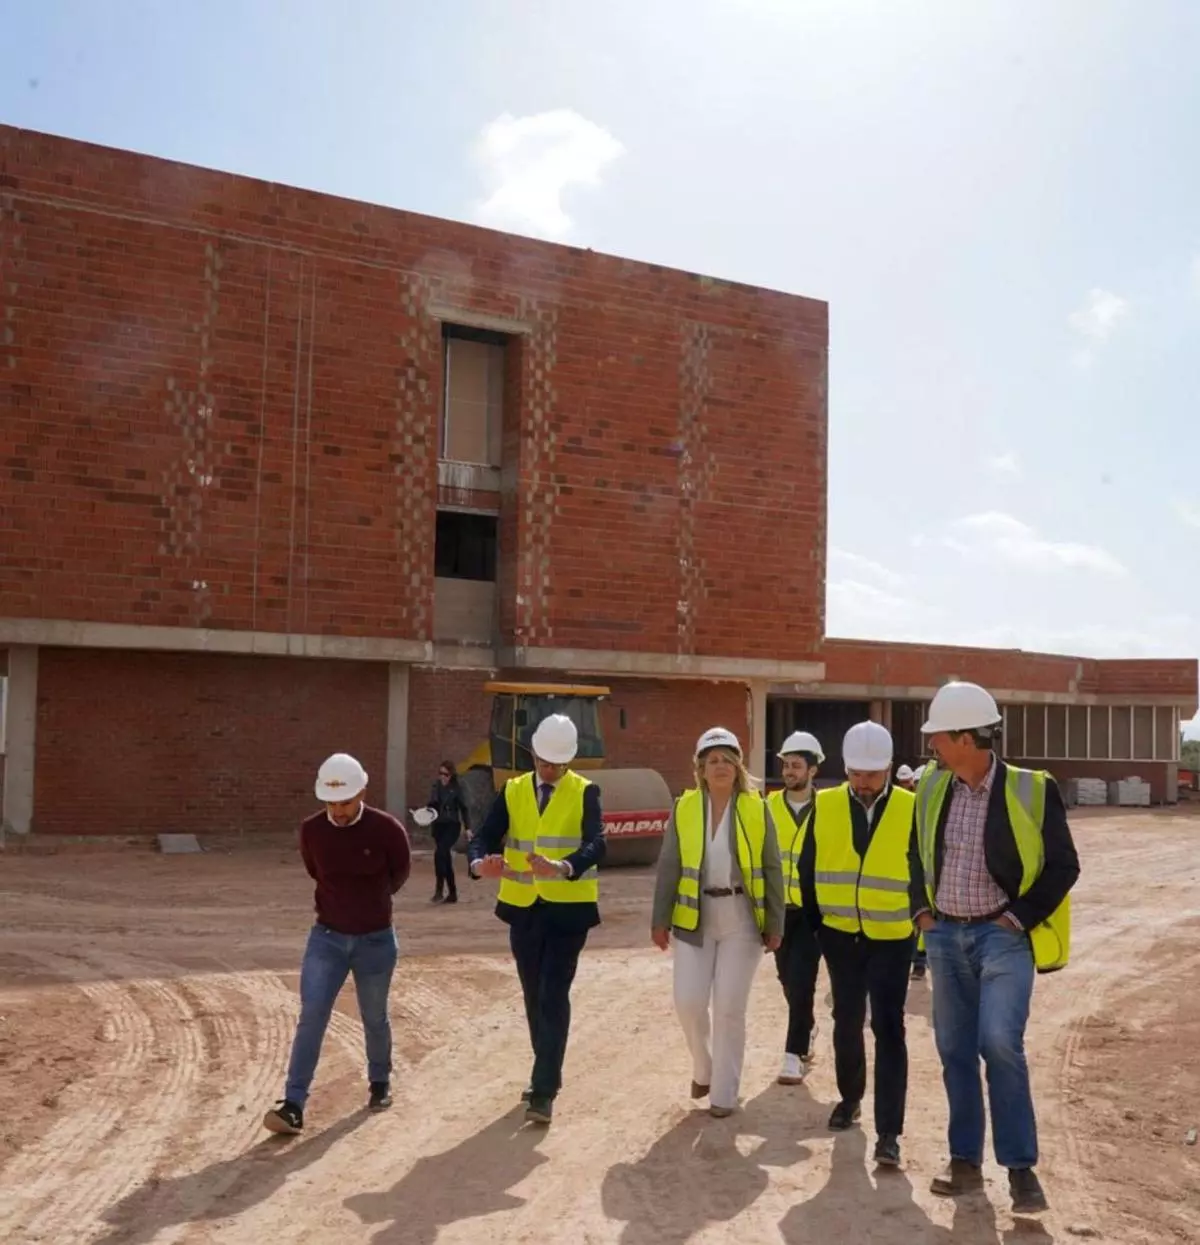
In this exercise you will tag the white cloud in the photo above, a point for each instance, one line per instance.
(1188, 512)
(528, 163)
(1095, 322)
(1155, 636)
(854, 564)
(861, 610)
(1003, 536)
(1005, 465)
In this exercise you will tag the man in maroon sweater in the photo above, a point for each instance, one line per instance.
(359, 858)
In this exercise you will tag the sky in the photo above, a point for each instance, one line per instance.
(999, 200)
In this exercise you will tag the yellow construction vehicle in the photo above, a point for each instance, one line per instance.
(636, 802)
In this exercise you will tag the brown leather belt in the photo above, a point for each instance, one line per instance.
(971, 920)
(721, 892)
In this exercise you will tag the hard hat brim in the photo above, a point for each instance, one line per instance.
(562, 757)
(337, 795)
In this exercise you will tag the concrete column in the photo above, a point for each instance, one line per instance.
(20, 739)
(397, 738)
(757, 756)
(876, 711)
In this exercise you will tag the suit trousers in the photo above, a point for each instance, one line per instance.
(862, 968)
(547, 957)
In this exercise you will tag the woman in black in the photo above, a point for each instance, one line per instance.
(452, 818)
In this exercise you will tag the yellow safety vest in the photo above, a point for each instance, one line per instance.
(555, 834)
(791, 838)
(867, 896)
(1025, 799)
(750, 830)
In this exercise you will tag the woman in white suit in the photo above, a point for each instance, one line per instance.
(719, 891)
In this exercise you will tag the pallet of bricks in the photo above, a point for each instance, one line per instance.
(1129, 793)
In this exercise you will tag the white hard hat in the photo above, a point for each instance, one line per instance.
(918, 772)
(802, 741)
(904, 773)
(556, 740)
(718, 737)
(340, 778)
(424, 816)
(867, 747)
(961, 707)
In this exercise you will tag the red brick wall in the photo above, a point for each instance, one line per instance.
(923, 665)
(225, 392)
(1142, 678)
(448, 715)
(143, 743)
(663, 720)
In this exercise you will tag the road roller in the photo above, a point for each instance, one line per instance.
(636, 802)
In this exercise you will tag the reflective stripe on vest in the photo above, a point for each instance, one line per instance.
(868, 896)
(1025, 802)
(750, 831)
(791, 836)
(555, 834)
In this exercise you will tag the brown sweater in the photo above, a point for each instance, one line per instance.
(357, 869)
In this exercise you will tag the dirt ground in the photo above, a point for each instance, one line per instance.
(146, 1011)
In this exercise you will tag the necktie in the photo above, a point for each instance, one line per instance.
(545, 791)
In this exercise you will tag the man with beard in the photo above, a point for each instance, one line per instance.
(798, 957)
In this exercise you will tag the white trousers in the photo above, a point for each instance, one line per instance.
(712, 992)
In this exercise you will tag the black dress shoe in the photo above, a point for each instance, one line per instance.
(845, 1115)
(887, 1151)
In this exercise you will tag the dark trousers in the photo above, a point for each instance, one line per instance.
(796, 962)
(444, 839)
(860, 968)
(546, 961)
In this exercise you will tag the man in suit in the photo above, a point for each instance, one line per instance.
(856, 883)
(544, 838)
(997, 863)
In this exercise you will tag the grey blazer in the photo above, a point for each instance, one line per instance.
(670, 867)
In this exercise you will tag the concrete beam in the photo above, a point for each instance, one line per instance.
(470, 318)
(20, 740)
(657, 665)
(757, 756)
(397, 740)
(64, 633)
(796, 690)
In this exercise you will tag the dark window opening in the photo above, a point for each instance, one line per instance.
(465, 546)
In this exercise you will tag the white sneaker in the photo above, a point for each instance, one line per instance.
(793, 1070)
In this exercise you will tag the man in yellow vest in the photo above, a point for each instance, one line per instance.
(996, 869)
(798, 958)
(856, 880)
(550, 827)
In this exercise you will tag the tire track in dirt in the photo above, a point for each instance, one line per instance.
(1107, 981)
(38, 1174)
(169, 1080)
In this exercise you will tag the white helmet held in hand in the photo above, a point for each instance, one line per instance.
(718, 737)
(556, 740)
(961, 707)
(340, 778)
(424, 816)
(867, 748)
(802, 741)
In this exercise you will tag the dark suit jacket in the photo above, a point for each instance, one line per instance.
(1061, 868)
(569, 917)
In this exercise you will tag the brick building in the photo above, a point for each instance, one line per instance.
(284, 473)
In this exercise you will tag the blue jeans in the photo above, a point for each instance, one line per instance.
(329, 957)
(982, 986)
